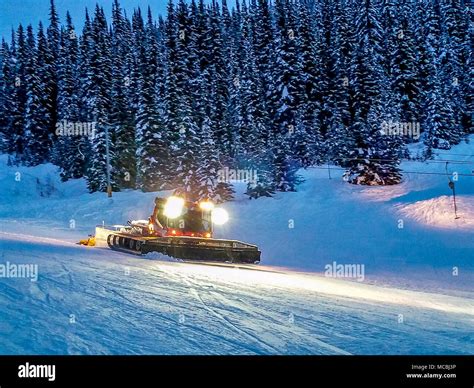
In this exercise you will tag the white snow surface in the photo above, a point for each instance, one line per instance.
(417, 296)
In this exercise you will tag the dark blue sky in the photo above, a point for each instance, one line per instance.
(13, 12)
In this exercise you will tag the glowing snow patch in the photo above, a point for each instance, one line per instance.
(300, 282)
(381, 193)
(439, 212)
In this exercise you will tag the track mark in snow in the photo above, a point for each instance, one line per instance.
(68, 274)
(251, 337)
(193, 285)
(196, 295)
(275, 318)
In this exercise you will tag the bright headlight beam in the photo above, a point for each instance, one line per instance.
(219, 216)
(206, 205)
(173, 207)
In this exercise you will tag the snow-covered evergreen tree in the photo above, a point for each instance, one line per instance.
(17, 127)
(171, 96)
(289, 91)
(339, 139)
(122, 119)
(53, 34)
(99, 106)
(152, 143)
(404, 72)
(210, 185)
(7, 86)
(440, 120)
(219, 93)
(377, 162)
(252, 117)
(70, 149)
(469, 86)
(36, 131)
(371, 161)
(454, 73)
(307, 139)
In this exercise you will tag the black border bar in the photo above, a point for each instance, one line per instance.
(222, 371)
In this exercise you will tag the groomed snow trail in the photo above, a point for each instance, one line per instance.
(96, 301)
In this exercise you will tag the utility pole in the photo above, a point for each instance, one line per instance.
(329, 168)
(452, 187)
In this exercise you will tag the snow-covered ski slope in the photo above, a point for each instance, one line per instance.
(417, 295)
(125, 305)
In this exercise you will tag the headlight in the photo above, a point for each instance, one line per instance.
(219, 216)
(173, 207)
(206, 205)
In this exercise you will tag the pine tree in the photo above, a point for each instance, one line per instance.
(69, 148)
(442, 128)
(251, 118)
(187, 158)
(323, 14)
(288, 85)
(307, 140)
(51, 61)
(186, 140)
(339, 139)
(440, 116)
(36, 131)
(171, 97)
(262, 34)
(19, 97)
(219, 93)
(405, 81)
(86, 89)
(469, 87)
(152, 151)
(152, 144)
(210, 186)
(453, 63)
(289, 89)
(121, 116)
(374, 158)
(7, 85)
(378, 163)
(99, 106)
